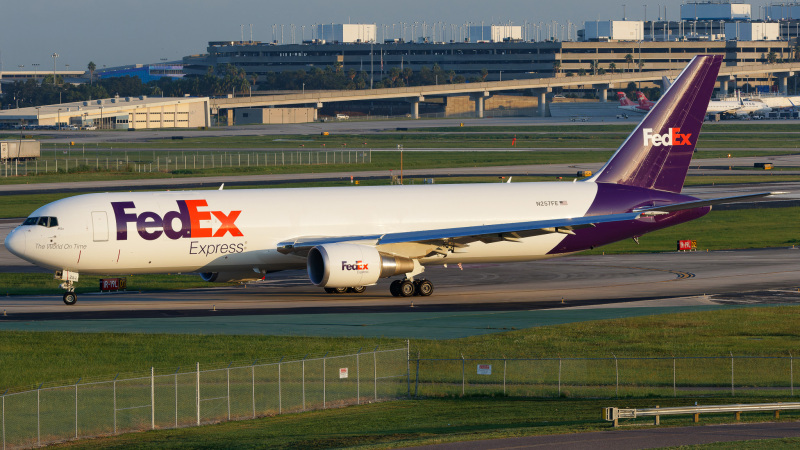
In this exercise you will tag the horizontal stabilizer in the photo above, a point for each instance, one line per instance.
(706, 202)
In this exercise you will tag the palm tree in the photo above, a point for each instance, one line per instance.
(612, 68)
(772, 58)
(556, 67)
(628, 61)
(92, 66)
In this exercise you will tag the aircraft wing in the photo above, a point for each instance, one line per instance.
(664, 209)
(460, 235)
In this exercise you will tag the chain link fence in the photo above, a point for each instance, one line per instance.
(145, 161)
(605, 377)
(202, 395)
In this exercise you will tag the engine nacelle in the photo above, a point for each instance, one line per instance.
(350, 265)
(224, 277)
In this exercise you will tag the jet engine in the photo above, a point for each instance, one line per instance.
(224, 277)
(349, 265)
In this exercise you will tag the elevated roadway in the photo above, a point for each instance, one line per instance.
(480, 91)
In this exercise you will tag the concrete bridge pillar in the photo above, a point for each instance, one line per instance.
(229, 116)
(480, 102)
(541, 94)
(317, 107)
(723, 84)
(782, 85)
(415, 106)
(602, 91)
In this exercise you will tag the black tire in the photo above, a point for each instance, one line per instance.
(424, 288)
(70, 298)
(357, 289)
(341, 290)
(330, 290)
(394, 288)
(407, 288)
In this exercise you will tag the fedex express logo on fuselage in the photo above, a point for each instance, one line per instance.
(673, 137)
(186, 222)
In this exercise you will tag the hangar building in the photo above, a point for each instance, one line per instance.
(119, 113)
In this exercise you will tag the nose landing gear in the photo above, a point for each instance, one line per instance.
(69, 278)
(70, 298)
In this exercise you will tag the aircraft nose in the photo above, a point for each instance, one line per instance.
(15, 243)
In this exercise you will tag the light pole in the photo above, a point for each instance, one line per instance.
(37, 115)
(35, 68)
(304, 88)
(501, 75)
(55, 55)
(639, 83)
(59, 118)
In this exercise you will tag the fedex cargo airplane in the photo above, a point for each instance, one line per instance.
(350, 237)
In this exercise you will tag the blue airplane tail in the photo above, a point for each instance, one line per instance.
(656, 155)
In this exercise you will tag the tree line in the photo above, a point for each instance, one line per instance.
(222, 80)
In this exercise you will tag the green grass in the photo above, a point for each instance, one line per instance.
(185, 164)
(43, 283)
(30, 357)
(407, 423)
(35, 357)
(721, 230)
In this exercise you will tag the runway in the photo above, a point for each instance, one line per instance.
(479, 299)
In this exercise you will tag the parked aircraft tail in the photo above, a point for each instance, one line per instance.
(657, 153)
(624, 100)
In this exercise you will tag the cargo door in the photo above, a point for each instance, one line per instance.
(100, 226)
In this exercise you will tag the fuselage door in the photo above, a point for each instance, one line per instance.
(100, 225)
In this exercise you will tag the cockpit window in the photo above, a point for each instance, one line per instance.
(44, 221)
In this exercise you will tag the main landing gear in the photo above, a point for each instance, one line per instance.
(344, 290)
(408, 288)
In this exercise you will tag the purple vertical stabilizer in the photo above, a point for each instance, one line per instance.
(657, 154)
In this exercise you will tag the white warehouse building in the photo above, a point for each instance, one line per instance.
(346, 33)
(494, 33)
(752, 31)
(715, 10)
(614, 30)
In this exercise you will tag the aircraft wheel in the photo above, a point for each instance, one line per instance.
(357, 289)
(407, 288)
(424, 288)
(394, 288)
(70, 298)
(330, 290)
(340, 290)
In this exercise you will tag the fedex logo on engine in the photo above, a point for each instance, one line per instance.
(359, 265)
(673, 137)
(186, 222)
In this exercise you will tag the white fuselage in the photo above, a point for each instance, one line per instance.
(88, 240)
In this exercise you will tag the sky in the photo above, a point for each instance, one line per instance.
(114, 32)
